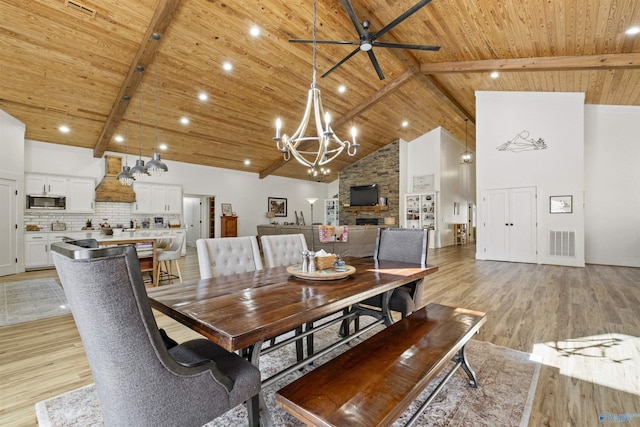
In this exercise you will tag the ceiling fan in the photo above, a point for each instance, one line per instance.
(368, 40)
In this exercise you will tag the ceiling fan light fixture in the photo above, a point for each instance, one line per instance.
(365, 46)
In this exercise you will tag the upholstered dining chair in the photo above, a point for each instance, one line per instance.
(222, 256)
(167, 258)
(283, 249)
(139, 380)
(404, 245)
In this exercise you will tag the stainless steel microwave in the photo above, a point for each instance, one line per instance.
(46, 202)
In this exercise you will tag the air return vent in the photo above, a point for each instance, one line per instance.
(562, 243)
(80, 8)
(56, 109)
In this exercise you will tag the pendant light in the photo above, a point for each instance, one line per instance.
(125, 176)
(329, 146)
(138, 171)
(155, 166)
(466, 158)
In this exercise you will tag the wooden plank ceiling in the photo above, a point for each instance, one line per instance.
(63, 64)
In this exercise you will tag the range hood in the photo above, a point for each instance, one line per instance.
(110, 189)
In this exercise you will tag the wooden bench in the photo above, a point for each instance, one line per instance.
(373, 383)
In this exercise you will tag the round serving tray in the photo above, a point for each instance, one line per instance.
(328, 274)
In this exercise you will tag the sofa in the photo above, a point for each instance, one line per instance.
(360, 243)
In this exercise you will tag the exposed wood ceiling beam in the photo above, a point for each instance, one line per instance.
(159, 22)
(565, 63)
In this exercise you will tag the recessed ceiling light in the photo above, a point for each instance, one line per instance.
(342, 88)
(247, 162)
(184, 120)
(119, 138)
(405, 124)
(163, 147)
(254, 31)
(203, 96)
(632, 31)
(494, 75)
(64, 129)
(227, 66)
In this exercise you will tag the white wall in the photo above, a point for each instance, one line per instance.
(558, 118)
(438, 153)
(612, 187)
(245, 191)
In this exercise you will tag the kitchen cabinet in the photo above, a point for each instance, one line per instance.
(81, 195)
(331, 212)
(45, 184)
(36, 251)
(158, 199)
(228, 226)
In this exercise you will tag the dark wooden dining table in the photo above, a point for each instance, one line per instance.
(240, 310)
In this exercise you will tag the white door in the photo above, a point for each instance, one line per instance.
(8, 231)
(192, 219)
(496, 225)
(509, 223)
(522, 224)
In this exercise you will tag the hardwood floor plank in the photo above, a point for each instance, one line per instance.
(527, 306)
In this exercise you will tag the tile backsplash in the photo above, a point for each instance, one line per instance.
(114, 213)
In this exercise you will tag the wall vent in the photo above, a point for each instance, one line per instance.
(56, 109)
(79, 7)
(562, 243)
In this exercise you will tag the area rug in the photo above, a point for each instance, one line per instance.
(507, 382)
(31, 300)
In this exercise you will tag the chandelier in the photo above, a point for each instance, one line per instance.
(466, 158)
(322, 147)
(318, 174)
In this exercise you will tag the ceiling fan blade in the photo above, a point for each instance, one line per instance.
(356, 50)
(322, 41)
(352, 15)
(400, 18)
(374, 61)
(406, 46)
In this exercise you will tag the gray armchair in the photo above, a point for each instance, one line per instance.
(405, 245)
(139, 381)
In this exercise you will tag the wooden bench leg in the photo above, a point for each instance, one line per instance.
(464, 364)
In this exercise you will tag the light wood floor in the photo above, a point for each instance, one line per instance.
(527, 305)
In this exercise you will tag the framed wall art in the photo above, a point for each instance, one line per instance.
(226, 209)
(422, 184)
(561, 204)
(278, 206)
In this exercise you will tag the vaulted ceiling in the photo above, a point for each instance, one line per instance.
(68, 62)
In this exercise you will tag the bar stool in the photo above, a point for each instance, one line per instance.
(170, 255)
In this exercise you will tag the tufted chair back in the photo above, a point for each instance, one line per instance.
(140, 382)
(228, 255)
(283, 249)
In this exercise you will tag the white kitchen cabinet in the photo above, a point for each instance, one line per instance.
(143, 198)
(158, 199)
(81, 195)
(36, 184)
(331, 212)
(36, 250)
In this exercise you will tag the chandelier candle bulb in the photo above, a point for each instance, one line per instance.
(327, 120)
(278, 127)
